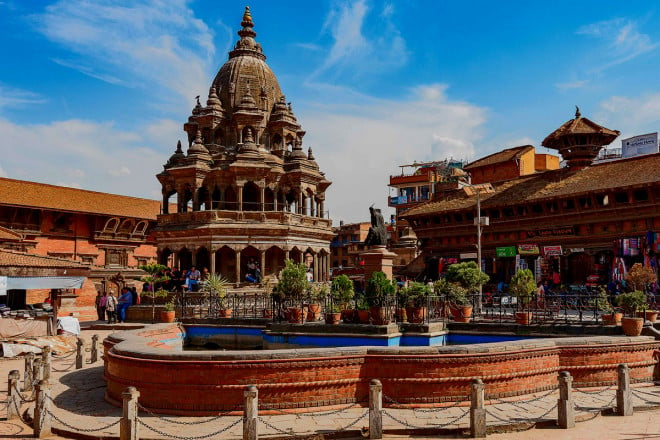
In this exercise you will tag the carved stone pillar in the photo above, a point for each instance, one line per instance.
(262, 263)
(166, 204)
(239, 195)
(315, 270)
(263, 198)
(212, 268)
(238, 267)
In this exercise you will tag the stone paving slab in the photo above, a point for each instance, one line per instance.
(78, 397)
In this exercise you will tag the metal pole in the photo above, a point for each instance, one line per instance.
(478, 305)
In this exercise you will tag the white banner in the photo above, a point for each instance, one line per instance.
(642, 144)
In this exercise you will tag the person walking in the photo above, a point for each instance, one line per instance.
(124, 302)
(111, 308)
(101, 306)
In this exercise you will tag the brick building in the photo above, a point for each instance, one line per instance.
(105, 233)
(584, 223)
(245, 190)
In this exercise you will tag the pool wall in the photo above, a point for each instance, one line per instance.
(173, 381)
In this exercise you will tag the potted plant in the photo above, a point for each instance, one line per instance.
(631, 302)
(377, 291)
(402, 299)
(333, 314)
(292, 286)
(341, 294)
(459, 303)
(602, 303)
(317, 293)
(216, 286)
(362, 306)
(168, 314)
(638, 278)
(522, 286)
(417, 301)
(154, 276)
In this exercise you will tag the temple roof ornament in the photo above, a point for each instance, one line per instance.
(579, 140)
(197, 147)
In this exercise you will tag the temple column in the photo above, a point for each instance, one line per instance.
(239, 196)
(212, 268)
(301, 204)
(275, 196)
(166, 203)
(262, 263)
(315, 270)
(287, 255)
(195, 197)
(237, 272)
(263, 198)
(321, 207)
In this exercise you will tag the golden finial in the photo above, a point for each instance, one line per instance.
(246, 14)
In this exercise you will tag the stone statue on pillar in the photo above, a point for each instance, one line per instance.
(377, 235)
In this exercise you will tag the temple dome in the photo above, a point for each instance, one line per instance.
(246, 61)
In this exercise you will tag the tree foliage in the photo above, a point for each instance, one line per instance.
(292, 281)
(342, 289)
(378, 288)
(523, 285)
(467, 275)
(640, 276)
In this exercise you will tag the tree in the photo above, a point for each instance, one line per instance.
(378, 288)
(154, 276)
(342, 290)
(467, 274)
(292, 281)
(640, 276)
(523, 285)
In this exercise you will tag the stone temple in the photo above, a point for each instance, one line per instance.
(244, 189)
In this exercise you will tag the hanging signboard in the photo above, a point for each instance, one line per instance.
(468, 256)
(564, 230)
(552, 251)
(528, 249)
(508, 251)
(638, 145)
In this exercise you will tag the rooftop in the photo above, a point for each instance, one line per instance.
(24, 193)
(499, 157)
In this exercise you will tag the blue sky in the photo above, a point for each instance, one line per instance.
(93, 94)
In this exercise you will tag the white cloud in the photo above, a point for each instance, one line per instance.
(103, 156)
(360, 145)
(572, 84)
(355, 53)
(632, 116)
(623, 39)
(141, 43)
(14, 97)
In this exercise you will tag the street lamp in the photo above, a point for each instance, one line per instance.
(480, 222)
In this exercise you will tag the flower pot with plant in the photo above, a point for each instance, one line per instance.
(362, 307)
(168, 314)
(379, 292)
(317, 294)
(522, 286)
(469, 276)
(639, 277)
(631, 302)
(341, 294)
(417, 301)
(602, 303)
(216, 287)
(291, 289)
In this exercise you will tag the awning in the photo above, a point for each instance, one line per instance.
(9, 283)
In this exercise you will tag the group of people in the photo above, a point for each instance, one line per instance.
(178, 280)
(253, 274)
(113, 308)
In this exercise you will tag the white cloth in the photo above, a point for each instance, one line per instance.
(69, 324)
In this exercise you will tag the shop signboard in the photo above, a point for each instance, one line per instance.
(528, 249)
(468, 256)
(552, 232)
(552, 251)
(508, 251)
(638, 145)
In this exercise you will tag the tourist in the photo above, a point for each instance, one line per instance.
(100, 312)
(194, 277)
(205, 274)
(124, 302)
(540, 294)
(135, 298)
(111, 307)
(176, 278)
(100, 307)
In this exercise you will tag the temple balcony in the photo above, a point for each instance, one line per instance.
(222, 216)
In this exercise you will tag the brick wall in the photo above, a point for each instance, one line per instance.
(203, 383)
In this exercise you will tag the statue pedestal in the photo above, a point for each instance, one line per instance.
(377, 259)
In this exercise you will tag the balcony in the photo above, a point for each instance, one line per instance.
(219, 217)
(406, 200)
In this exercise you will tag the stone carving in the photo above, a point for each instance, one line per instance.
(377, 235)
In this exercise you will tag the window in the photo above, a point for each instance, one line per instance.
(458, 217)
(495, 213)
(585, 202)
(537, 208)
(640, 195)
(508, 212)
(603, 199)
(621, 197)
(522, 210)
(568, 204)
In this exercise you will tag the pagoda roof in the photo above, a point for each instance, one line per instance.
(626, 173)
(577, 126)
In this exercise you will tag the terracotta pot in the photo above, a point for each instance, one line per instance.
(611, 318)
(462, 313)
(267, 313)
(167, 316)
(332, 318)
(296, 315)
(416, 315)
(649, 315)
(363, 315)
(523, 318)
(378, 315)
(313, 312)
(348, 315)
(401, 315)
(632, 326)
(224, 313)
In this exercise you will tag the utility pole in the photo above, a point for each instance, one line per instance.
(479, 300)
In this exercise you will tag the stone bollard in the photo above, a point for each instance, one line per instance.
(624, 404)
(42, 419)
(95, 348)
(45, 362)
(375, 409)
(565, 406)
(250, 413)
(128, 426)
(477, 410)
(80, 352)
(13, 396)
(37, 371)
(27, 378)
